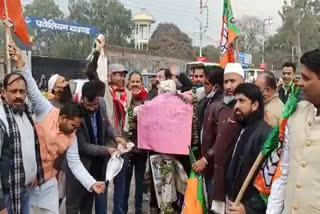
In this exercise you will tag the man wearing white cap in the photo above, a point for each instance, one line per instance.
(59, 91)
(227, 131)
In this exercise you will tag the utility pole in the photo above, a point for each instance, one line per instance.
(203, 29)
(201, 36)
(266, 23)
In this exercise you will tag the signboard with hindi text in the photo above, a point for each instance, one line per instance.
(60, 25)
(165, 125)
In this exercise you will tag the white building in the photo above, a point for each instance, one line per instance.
(142, 30)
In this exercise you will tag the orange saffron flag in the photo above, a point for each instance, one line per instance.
(194, 200)
(229, 33)
(15, 16)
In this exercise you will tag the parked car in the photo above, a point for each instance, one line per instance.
(76, 88)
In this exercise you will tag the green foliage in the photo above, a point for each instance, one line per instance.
(112, 19)
(46, 8)
(168, 40)
(299, 33)
(210, 51)
(110, 16)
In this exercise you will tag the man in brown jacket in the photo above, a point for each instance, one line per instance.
(273, 108)
(226, 130)
(213, 86)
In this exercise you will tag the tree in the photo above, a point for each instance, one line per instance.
(168, 40)
(110, 16)
(250, 38)
(210, 51)
(299, 32)
(45, 8)
(113, 19)
(44, 39)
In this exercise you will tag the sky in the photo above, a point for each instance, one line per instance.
(183, 13)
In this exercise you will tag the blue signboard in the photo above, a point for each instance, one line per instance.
(245, 59)
(60, 25)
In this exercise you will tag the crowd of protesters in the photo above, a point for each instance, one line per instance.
(57, 148)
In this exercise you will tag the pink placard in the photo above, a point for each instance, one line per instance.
(165, 125)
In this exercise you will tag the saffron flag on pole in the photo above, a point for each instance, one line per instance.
(194, 200)
(16, 19)
(229, 33)
(271, 150)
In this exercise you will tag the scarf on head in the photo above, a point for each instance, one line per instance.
(16, 171)
(119, 104)
(141, 95)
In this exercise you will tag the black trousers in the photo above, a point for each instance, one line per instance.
(78, 199)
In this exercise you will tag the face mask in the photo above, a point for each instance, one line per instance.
(228, 99)
(212, 93)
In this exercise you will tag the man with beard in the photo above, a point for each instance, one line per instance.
(59, 94)
(297, 189)
(59, 90)
(117, 99)
(249, 111)
(137, 157)
(19, 138)
(226, 130)
(91, 135)
(56, 131)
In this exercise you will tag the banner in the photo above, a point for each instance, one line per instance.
(165, 125)
(60, 25)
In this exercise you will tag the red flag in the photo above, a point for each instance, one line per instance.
(15, 16)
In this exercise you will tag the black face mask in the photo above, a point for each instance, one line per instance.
(65, 95)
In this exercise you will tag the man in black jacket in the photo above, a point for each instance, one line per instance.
(92, 137)
(249, 112)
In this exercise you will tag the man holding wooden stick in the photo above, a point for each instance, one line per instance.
(249, 111)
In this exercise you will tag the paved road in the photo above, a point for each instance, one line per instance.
(110, 199)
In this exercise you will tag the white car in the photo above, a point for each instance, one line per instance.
(76, 88)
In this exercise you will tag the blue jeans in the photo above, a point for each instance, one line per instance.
(101, 203)
(25, 203)
(138, 162)
(119, 188)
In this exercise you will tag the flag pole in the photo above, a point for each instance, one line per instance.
(237, 49)
(248, 178)
(7, 40)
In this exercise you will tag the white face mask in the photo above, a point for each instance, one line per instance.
(228, 99)
(212, 93)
